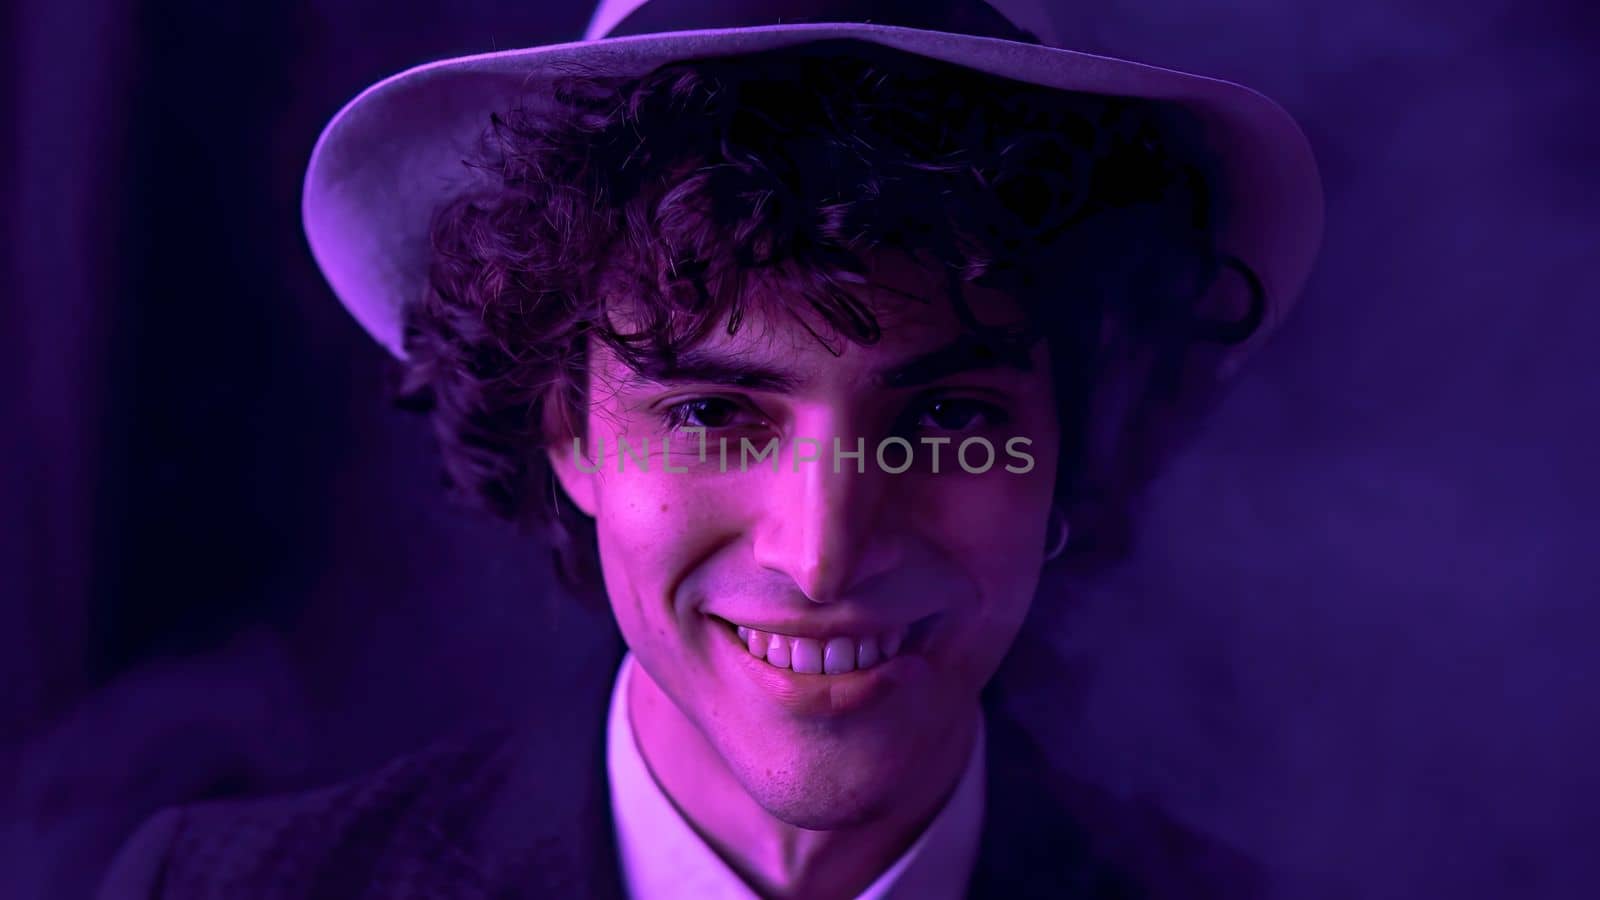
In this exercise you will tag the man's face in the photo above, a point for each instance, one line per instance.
(825, 630)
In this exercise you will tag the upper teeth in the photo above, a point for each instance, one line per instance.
(834, 656)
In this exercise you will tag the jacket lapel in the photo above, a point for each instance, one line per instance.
(535, 821)
(1030, 846)
(1048, 833)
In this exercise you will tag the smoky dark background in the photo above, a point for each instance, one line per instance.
(1357, 638)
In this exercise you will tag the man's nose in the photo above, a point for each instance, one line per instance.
(827, 529)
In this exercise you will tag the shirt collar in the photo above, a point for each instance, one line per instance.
(662, 856)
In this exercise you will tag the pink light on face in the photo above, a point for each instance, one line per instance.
(692, 551)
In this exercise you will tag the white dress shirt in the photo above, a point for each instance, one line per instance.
(663, 857)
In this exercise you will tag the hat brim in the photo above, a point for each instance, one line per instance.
(393, 156)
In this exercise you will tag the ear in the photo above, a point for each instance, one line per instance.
(575, 471)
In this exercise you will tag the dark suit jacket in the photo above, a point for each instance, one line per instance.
(526, 813)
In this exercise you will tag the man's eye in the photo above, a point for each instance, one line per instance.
(959, 414)
(704, 412)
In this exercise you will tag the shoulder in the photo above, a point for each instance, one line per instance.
(1052, 832)
(1070, 840)
(310, 843)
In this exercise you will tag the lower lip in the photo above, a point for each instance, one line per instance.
(829, 695)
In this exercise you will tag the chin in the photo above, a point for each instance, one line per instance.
(803, 807)
(825, 791)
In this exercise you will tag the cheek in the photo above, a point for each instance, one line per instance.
(1000, 542)
(992, 529)
(994, 523)
(652, 528)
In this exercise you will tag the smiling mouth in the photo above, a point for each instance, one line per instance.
(836, 655)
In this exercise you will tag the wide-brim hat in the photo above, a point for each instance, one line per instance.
(394, 155)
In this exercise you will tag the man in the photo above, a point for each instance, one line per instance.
(807, 346)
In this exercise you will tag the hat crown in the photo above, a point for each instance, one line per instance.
(374, 243)
(1025, 20)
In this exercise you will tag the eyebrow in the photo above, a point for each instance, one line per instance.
(965, 354)
(709, 367)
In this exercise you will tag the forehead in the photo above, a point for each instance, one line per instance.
(910, 303)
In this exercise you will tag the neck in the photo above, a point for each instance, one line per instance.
(776, 859)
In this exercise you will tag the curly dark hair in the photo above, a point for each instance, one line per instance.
(679, 189)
